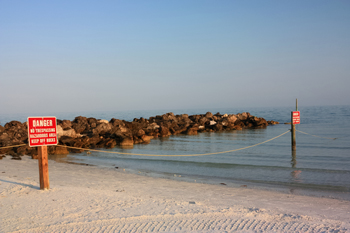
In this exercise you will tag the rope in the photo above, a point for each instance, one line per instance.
(214, 153)
(12, 146)
(314, 135)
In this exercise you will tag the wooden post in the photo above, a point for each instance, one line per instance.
(43, 167)
(294, 144)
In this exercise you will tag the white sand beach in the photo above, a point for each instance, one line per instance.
(93, 199)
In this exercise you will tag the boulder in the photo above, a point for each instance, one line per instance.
(183, 119)
(127, 142)
(110, 143)
(231, 118)
(13, 125)
(212, 122)
(69, 133)
(139, 133)
(203, 120)
(103, 121)
(146, 138)
(256, 122)
(94, 141)
(66, 124)
(193, 130)
(195, 118)
(218, 127)
(66, 140)
(224, 122)
(102, 128)
(164, 132)
(92, 122)
(4, 137)
(116, 122)
(243, 116)
(209, 115)
(80, 124)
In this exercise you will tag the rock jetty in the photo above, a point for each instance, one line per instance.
(92, 133)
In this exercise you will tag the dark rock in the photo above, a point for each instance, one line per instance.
(116, 122)
(4, 137)
(209, 115)
(80, 124)
(94, 141)
(231, 118)
(110, 143)
(193, 130)
(66, 124)
(256, 122)
(140, 133)
(102, 128)
(243, 116)
(92, 122)
(164, 132)
(68, 141)
(13, 125)
(218, 127)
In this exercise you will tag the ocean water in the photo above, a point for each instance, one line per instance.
(320, 166)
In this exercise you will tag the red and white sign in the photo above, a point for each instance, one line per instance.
(296, 117)
(42, 131)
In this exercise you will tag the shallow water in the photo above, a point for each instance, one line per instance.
(319, 167)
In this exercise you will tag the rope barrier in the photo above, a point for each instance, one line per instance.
(314, 135)
(12, 146)
(214, 153)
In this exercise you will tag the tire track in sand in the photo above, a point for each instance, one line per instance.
(214, 222)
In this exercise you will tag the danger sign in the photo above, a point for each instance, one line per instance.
(296, 117)
(42, 131)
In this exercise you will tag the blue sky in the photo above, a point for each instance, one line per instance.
(65, 56)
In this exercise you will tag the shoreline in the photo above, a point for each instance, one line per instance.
(311, 190)
(87, 198)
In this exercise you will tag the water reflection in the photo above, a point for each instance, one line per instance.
(57, 158)
(294, 159)
(295, 174)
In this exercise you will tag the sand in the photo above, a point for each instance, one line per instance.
(93, 199)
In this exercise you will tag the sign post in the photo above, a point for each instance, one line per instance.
(42, 131)
(295, 115)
